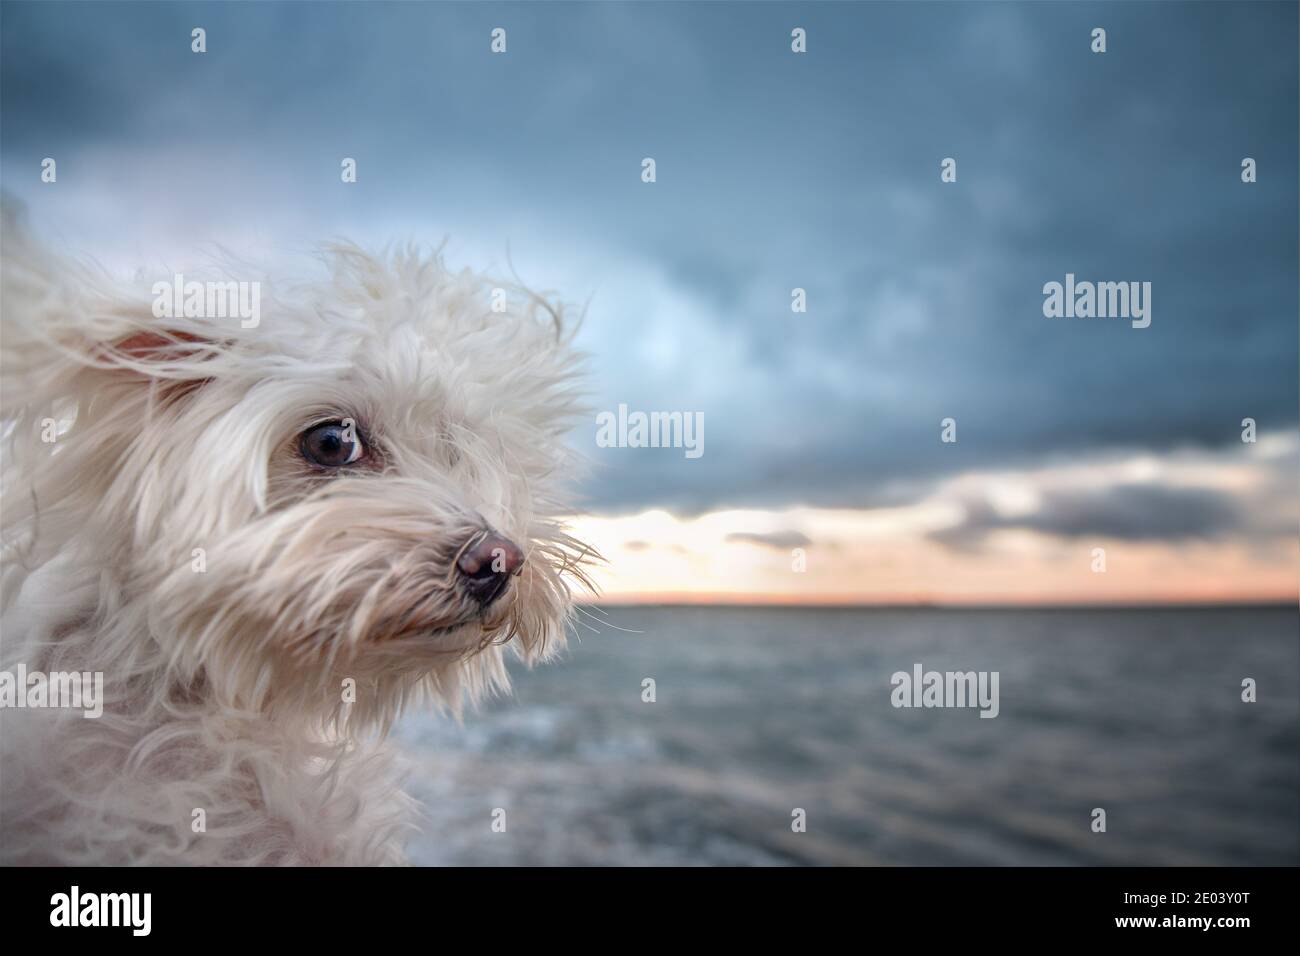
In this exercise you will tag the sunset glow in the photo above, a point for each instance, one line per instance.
(900, 555)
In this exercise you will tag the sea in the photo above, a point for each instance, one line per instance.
(750, 736)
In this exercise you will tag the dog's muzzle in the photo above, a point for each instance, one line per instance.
(487, 565)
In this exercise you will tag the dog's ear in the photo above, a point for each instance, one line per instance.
(153, 346)
(68, 329)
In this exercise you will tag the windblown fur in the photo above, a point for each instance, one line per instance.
(173, 538)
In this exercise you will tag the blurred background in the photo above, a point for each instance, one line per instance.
(822, 450)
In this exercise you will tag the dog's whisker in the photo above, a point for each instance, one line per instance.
(586, 613)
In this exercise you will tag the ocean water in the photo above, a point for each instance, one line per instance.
(760, 711)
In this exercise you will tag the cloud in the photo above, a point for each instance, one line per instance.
(1128, 512)
(924, 299)
(781, 540)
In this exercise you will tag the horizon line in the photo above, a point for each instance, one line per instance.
(935, 604)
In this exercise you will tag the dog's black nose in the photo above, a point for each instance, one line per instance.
(486, 566)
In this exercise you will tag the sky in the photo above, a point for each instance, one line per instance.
(823, 476)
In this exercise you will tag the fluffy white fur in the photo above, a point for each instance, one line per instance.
(224, 688)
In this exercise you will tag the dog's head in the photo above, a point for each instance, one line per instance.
(349, 503)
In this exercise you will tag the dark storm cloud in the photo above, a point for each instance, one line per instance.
(1129, 512)
(775, 171)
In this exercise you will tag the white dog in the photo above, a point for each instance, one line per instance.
(269, 541)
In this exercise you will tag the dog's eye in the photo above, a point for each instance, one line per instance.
(333, 444)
